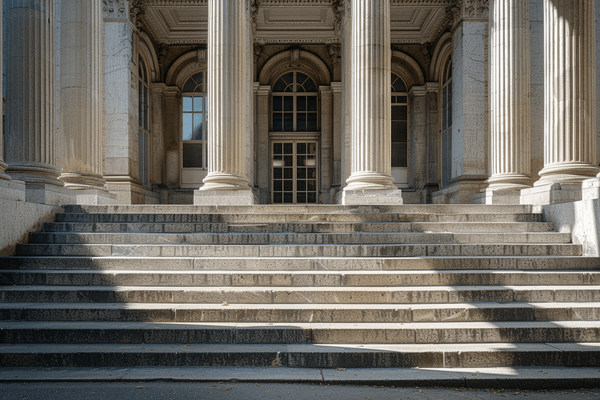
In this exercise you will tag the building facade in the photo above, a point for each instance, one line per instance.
(300, 101)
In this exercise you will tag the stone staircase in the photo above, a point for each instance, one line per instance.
(314, 286)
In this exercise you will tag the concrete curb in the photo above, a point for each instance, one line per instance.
(476, 378)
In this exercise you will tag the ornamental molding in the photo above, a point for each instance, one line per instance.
(295, 3)
(114, 9)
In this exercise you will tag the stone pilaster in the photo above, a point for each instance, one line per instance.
(30, 90)
(371, 181)
(570, 92)
(228, 53)
(509, 95)
(3, 165)
(263, 158)
(81, 97)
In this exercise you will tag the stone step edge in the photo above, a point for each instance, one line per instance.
(338, 356)
(530, 378)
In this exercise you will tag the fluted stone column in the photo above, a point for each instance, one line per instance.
(370, 181)
(509, 95)
(30, 91)
(3, 165)
(228, 54)
(81, 77)
(570, 92)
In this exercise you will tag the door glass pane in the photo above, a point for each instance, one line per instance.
(187, 104)
(198, 102)
(192, 155)
(288, 122)
(301, 122)
(188, 126)
(197, 127)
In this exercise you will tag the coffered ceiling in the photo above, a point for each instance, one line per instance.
(291, 21)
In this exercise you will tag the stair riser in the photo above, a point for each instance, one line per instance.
(199, 296)
(296, 228)
(300, 238)
(303, 360)
(417, 250)
(300, 264)
(299, 279)
(297, 208)
(295, 218)
(358, 315)
(296, 335)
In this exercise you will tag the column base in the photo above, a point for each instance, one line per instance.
(552, 194)
(40, 193)
(34, 174)
(3, 176)
(370, 197)
(489, 196)
(566, 173)
(223, 197)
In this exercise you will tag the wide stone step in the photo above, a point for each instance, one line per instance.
(299, 295)
(317, 227)
(295, 217)
(372, 250)
(296, 279)
(301, 313)
(301, 264)
(317, 333)
(298, 238)
(297, 208)
(301, 355)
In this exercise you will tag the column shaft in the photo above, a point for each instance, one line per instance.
(509, 95)
(228, 56)
(3, 166)
(570, 92)
(81, 77)
(31, 91)
(371, 99)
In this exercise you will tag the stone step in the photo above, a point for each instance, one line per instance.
(317, 227)
(372, 250)
(302, 355)
(70, 332)
(296, 279)
(295, 217)
(301, 264)
(303, 209)
(298, 238)
(300, 313)
(299, 295)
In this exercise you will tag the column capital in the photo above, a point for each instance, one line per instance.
(263, 90)
(337, 87)
(171, 91)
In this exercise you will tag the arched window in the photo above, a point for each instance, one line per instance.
(295, 104)
(446, 122)
(144, 123)
(194, 121)
(399, 123)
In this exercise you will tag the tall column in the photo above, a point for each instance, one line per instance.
(3, 166)
(228, 54)
(570, 92)
(30, 91)
(82, 106)
(509, 95)
(371, 181)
